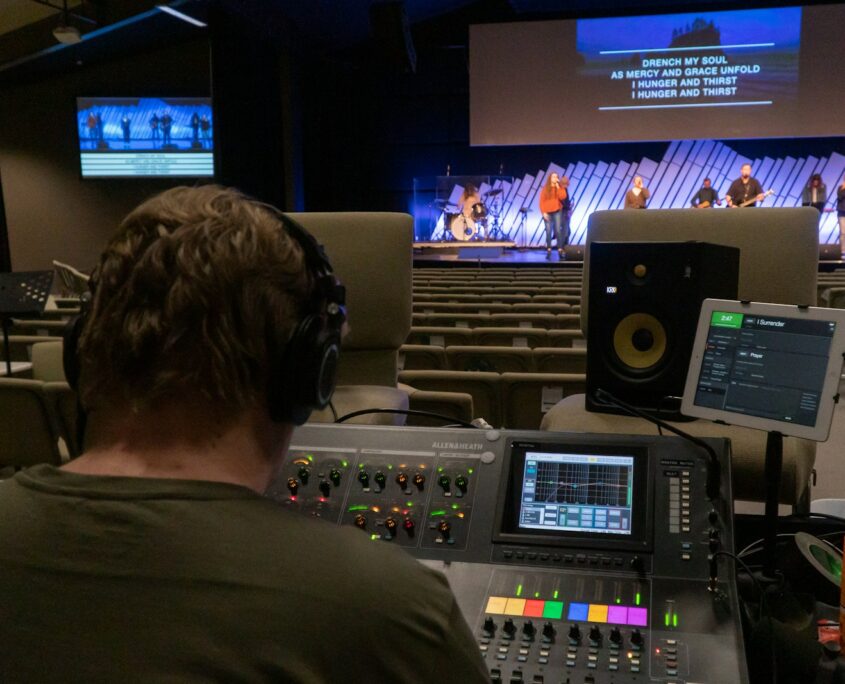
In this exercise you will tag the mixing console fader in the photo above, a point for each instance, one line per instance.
(575, 558)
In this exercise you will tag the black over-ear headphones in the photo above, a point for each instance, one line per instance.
(303, 374)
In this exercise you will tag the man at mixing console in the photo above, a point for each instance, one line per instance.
(153, 556)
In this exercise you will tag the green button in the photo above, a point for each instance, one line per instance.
(553, 610)
(724, 319)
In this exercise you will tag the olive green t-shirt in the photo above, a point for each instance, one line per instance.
(117, 579)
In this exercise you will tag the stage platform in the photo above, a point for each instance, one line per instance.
(472, 254)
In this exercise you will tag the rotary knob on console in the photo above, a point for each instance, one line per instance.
(529, 630)
(402, 480)
(409, 525)
(549, 631)
(444, 482)
(637, 565)
(445, 529)
(334, 476)
(325, 488)
(461, 482)
(615, 636)
(574, 632)
(713, 516)
(364, 478)
(509, 627)
(636, 638)
(391, 525)
(489, 627)
(361, 521)
(293, 486)
(419, 481)
(380, 479)
(595, 634)
(304, 474)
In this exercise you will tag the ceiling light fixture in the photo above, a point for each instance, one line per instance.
(64, 32)
(181, 15)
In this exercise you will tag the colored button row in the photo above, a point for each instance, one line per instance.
(614, 615)
(518, 607)
(578, 612)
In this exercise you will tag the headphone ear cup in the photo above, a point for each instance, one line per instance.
(305, 377)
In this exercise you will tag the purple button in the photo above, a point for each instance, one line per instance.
(638, 617)
(617, 615)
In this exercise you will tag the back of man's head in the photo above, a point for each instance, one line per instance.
(194, 296)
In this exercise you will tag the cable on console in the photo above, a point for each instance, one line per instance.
(714, 468)
(406, 412)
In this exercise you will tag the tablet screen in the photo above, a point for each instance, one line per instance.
(766, 362)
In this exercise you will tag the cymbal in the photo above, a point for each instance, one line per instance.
(496, 191)
(440, 202)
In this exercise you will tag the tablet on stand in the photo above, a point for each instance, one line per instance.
(770, 367)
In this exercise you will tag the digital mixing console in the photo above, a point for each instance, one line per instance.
(575, 558)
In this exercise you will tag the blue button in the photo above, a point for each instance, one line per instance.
(579, 611)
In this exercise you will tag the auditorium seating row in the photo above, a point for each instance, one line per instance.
(493, 359)
(531, 338)
(513, 400)
(547, 321)
(491, 308)
(482, 299)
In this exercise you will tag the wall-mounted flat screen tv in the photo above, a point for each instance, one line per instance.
(125, 137)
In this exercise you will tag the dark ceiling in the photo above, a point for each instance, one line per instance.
(331, 27)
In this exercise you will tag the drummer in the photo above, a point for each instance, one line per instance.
(469, 198)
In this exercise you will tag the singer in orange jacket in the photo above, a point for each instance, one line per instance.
(554, 202)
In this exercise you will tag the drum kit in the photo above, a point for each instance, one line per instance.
(474, 226)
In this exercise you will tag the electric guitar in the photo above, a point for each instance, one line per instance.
(754, 199)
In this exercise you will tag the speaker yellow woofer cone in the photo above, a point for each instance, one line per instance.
(638, 326)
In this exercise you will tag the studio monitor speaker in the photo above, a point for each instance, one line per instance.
(644, 301)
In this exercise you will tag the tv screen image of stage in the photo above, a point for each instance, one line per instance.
(124, 137)
(577, 493)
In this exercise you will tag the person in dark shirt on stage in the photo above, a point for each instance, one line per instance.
(155, 133)
(706, 197)
(553, 195)
(153, 557)
(126, 127)
(815, 193)
(745, 191)
(637, 197)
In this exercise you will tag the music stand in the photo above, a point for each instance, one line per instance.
(22, 293)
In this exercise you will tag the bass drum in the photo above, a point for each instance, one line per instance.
(462, 227)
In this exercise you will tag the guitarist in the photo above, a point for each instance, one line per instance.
(705, 197)
(745, 190)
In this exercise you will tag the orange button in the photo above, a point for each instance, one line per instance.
(496, 605)
(515, 606)
(597, 613)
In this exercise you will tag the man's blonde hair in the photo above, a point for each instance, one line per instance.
(194, 296)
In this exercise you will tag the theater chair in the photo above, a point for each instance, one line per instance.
(372, 254)
(526, 397)
(490, 359)
(485, 389)
(778, 264)
(29, 433)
